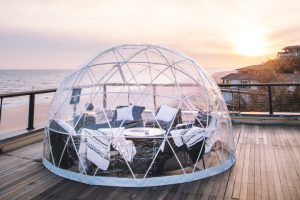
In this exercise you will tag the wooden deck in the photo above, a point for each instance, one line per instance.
(267, 167)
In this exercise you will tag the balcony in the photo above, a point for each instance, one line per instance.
(267, 166)
(286, 54)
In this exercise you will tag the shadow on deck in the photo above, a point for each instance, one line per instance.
(267, 167)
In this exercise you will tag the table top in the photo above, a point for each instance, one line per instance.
(144, 132)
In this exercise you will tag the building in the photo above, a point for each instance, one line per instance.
(289, 51)
(244, 75)
(250, 74)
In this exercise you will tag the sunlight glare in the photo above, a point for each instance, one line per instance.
(249, 41)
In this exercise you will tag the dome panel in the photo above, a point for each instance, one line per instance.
(138, 115)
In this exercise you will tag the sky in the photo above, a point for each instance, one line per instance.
(59, 34)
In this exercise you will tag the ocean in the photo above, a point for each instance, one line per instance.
(12, 81)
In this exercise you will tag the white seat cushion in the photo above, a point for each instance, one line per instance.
(125, 113)
(166, 113)
(66, 126)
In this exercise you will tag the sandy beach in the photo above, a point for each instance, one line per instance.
(14, 119)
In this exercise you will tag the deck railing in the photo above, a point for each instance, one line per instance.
(31, 95)
(262, 97)
(253, 96)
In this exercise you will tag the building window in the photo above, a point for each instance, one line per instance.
(226, 82)
(245, 86)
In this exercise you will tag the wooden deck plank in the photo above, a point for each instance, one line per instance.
(23, 191)
(284, 175)
(257, 173)
(26, 173)
(265, 138)
(251, 173)
(267, 167)
(179, 191)
(264, 192)
(7, 191)
(41, 188)
(13, 164)
(269, 170)
(257, 134)
(263, 168)
(236, 132)
(161, 192)
(84, 191)
(204, 188)
(243, 192)
(20, 172)
(194, 189)
(291, 165)
(242, 134)
(232, 176)
(275, 172)
(165, 192)
(284, 157)
(52, 190)
(223, 185)
(238, 178)
(208, 188)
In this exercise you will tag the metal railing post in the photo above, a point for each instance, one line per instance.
(1, 108)
(270, 100)
(128, 95)
(31, 112)
(104, 96)
(239, 99)
(154, 96)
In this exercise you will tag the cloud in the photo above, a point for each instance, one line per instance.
(41, 51)
(48, 33)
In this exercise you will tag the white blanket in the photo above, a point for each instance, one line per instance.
(95, 147)
(127, 151)
(188, 136)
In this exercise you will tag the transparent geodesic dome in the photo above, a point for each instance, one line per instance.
(138, 115)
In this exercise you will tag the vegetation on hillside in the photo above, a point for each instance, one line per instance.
(284, 65)
(284, 98)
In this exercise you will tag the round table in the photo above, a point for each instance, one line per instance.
(147, 141)
(144, 132)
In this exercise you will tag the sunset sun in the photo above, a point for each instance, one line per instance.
(249, 41)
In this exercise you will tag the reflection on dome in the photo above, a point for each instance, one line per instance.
(138, 115)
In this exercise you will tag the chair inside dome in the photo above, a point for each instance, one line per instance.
(138, 111)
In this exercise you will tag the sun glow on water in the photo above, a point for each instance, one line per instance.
(249, 41)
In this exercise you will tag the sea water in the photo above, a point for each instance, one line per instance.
(12, 81)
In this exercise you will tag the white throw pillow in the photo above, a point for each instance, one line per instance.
(166, 113)
(66, 126)
(125, 113)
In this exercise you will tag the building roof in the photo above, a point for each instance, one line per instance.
(236, 76)
(253, 67)
(291, 47)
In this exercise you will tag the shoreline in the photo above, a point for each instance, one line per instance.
(215, 76)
